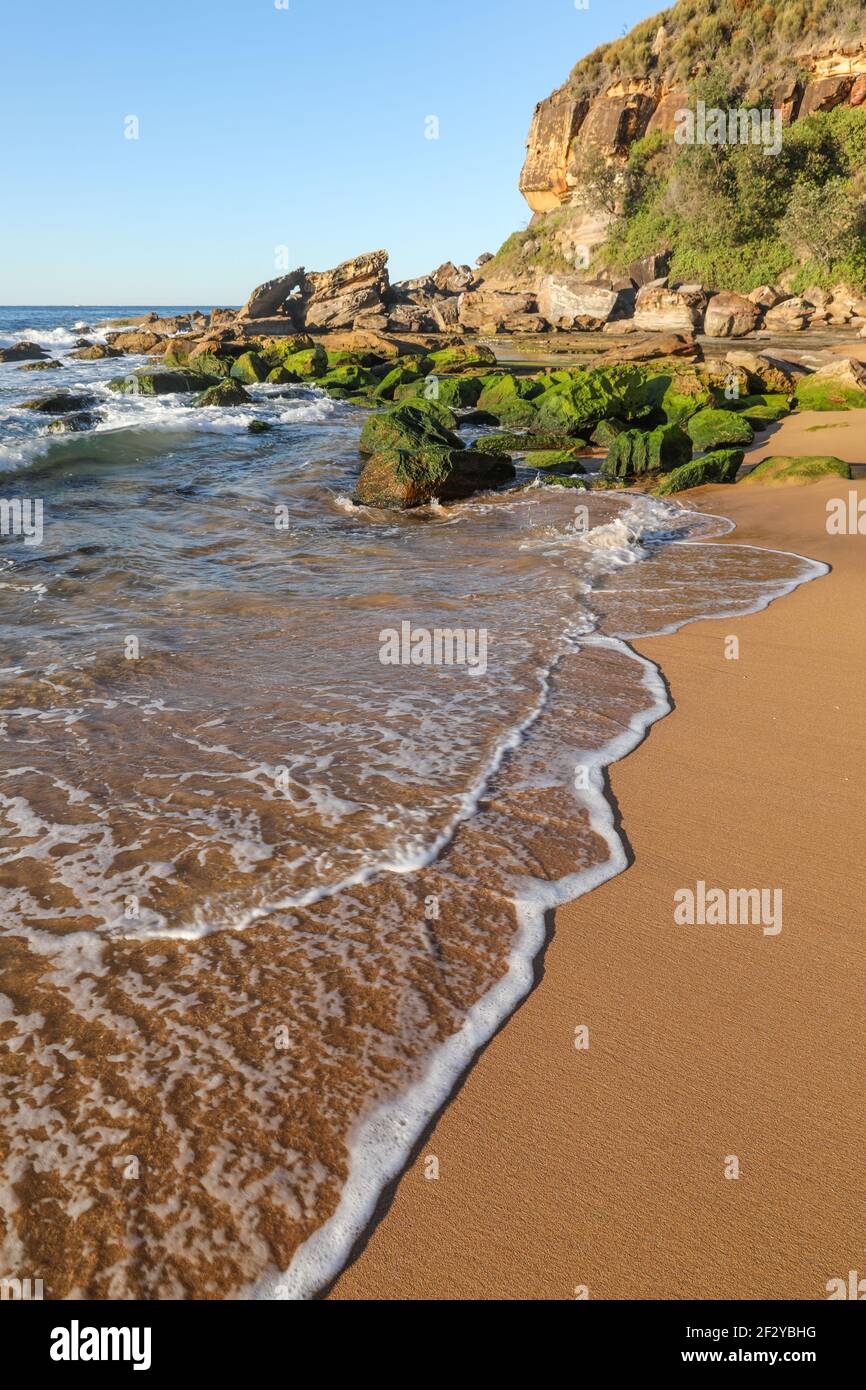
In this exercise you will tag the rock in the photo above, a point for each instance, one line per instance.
(269, 299)
(820, 298)
(59, 403)
(648, 349)
(566, 297)
(75, 423)
(451, 279)
(22, 352)
(554, 461)
(489, 306)
(649, 268)
(411, 370)
(615, 120)
(455, 392)
(484, 258)
(713, 429)
(405, 478)
(406, 427)
(721, 466)
(840, 385)
(825, 93)
(577, 404)
(783, 469)
(606, 432)
(665, 116)
(98, 352)
(636, 452)
(48, 366)
(680, 394)
(179, 323)
(787, 96)
(520, 443)
(857, 95)
(347, 378)
(138, 341)
(333, 299)
(659, 310)
(307, 365)
(250, 367)
(461, 357)
(730, 315)
(223, 318)
(227, 393)
(161, 383)
(766, 372)
(768, 296)
(790, 316)
(258, 427)
(763, 410)
(544, 179)
(284, 326)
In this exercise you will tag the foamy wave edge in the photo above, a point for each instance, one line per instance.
(382, 1143)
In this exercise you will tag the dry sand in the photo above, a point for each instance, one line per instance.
(606, 1168)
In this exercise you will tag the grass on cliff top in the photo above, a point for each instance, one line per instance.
(761, 43)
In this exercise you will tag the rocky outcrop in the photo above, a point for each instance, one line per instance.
(544, 180)
(271, 298)
(22, 352)
(660, 310)
(730, 315)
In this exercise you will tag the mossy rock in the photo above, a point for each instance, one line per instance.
(406, 478)
(684, 397)
(343, 357)
(251, 368)
(763, 410)
(713, 428)
(509, 398)
(461, 358)
(554, 461)
(226, 393)
(76, 423)
(258, 427)
(606, 432)
(309, 364)
(404, 374)
(720, 466)
(59, 403)
(348, 378)
(783, 469)
(50, 366)
(637, 452)
(162, 383)
(455, 392)
(522, 443)
(278, 376)
(826, 393)
(208, 362)
(578, 405)
(407, 428)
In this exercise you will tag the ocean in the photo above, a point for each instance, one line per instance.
(265, 894)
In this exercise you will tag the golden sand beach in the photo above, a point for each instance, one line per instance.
(712, 1049)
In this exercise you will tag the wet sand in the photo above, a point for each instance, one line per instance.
(605, 1168)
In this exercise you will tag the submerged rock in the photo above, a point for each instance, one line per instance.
(73, 424)
(51, 365)
(226, 393)
(21, 352)
(404, 478)
(60, 403)
(162, 383)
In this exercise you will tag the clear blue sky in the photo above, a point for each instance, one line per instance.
(263, 127)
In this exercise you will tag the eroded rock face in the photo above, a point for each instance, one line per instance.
(615, 122)
(269, 299)
(335, 298)
(825, 93)
(486, 308)
(555, 124)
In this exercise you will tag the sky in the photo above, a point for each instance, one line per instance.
(270, 134)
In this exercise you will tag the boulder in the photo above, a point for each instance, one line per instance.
(659, 310)
(491, 306)
(22, 352)
(567, 297)
(520, 443)
(840, 385)
(405, 478)
(288, 325)
(60, 403)
(226, 394)
(636, 452)
(162, 383)
(75, 423)
(406, 427)
(649, 268)
(783, 469)
(790, 316)
(575, 405)
(97, 353)
(269, 299)
(307, 365)
(766, 372)
(451, 279)
(712, 429)
(730, 315)
(250, 367)
(461, 357)
(857, 95)
(50, 365)
(648, 349)
(720, 466)
(333, 299)
(825, 93)
(136, 341)
(768, 296)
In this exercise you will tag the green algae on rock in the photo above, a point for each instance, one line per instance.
(720, 466)
(783, 469)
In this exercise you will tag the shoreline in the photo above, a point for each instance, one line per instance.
(516, 1151)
